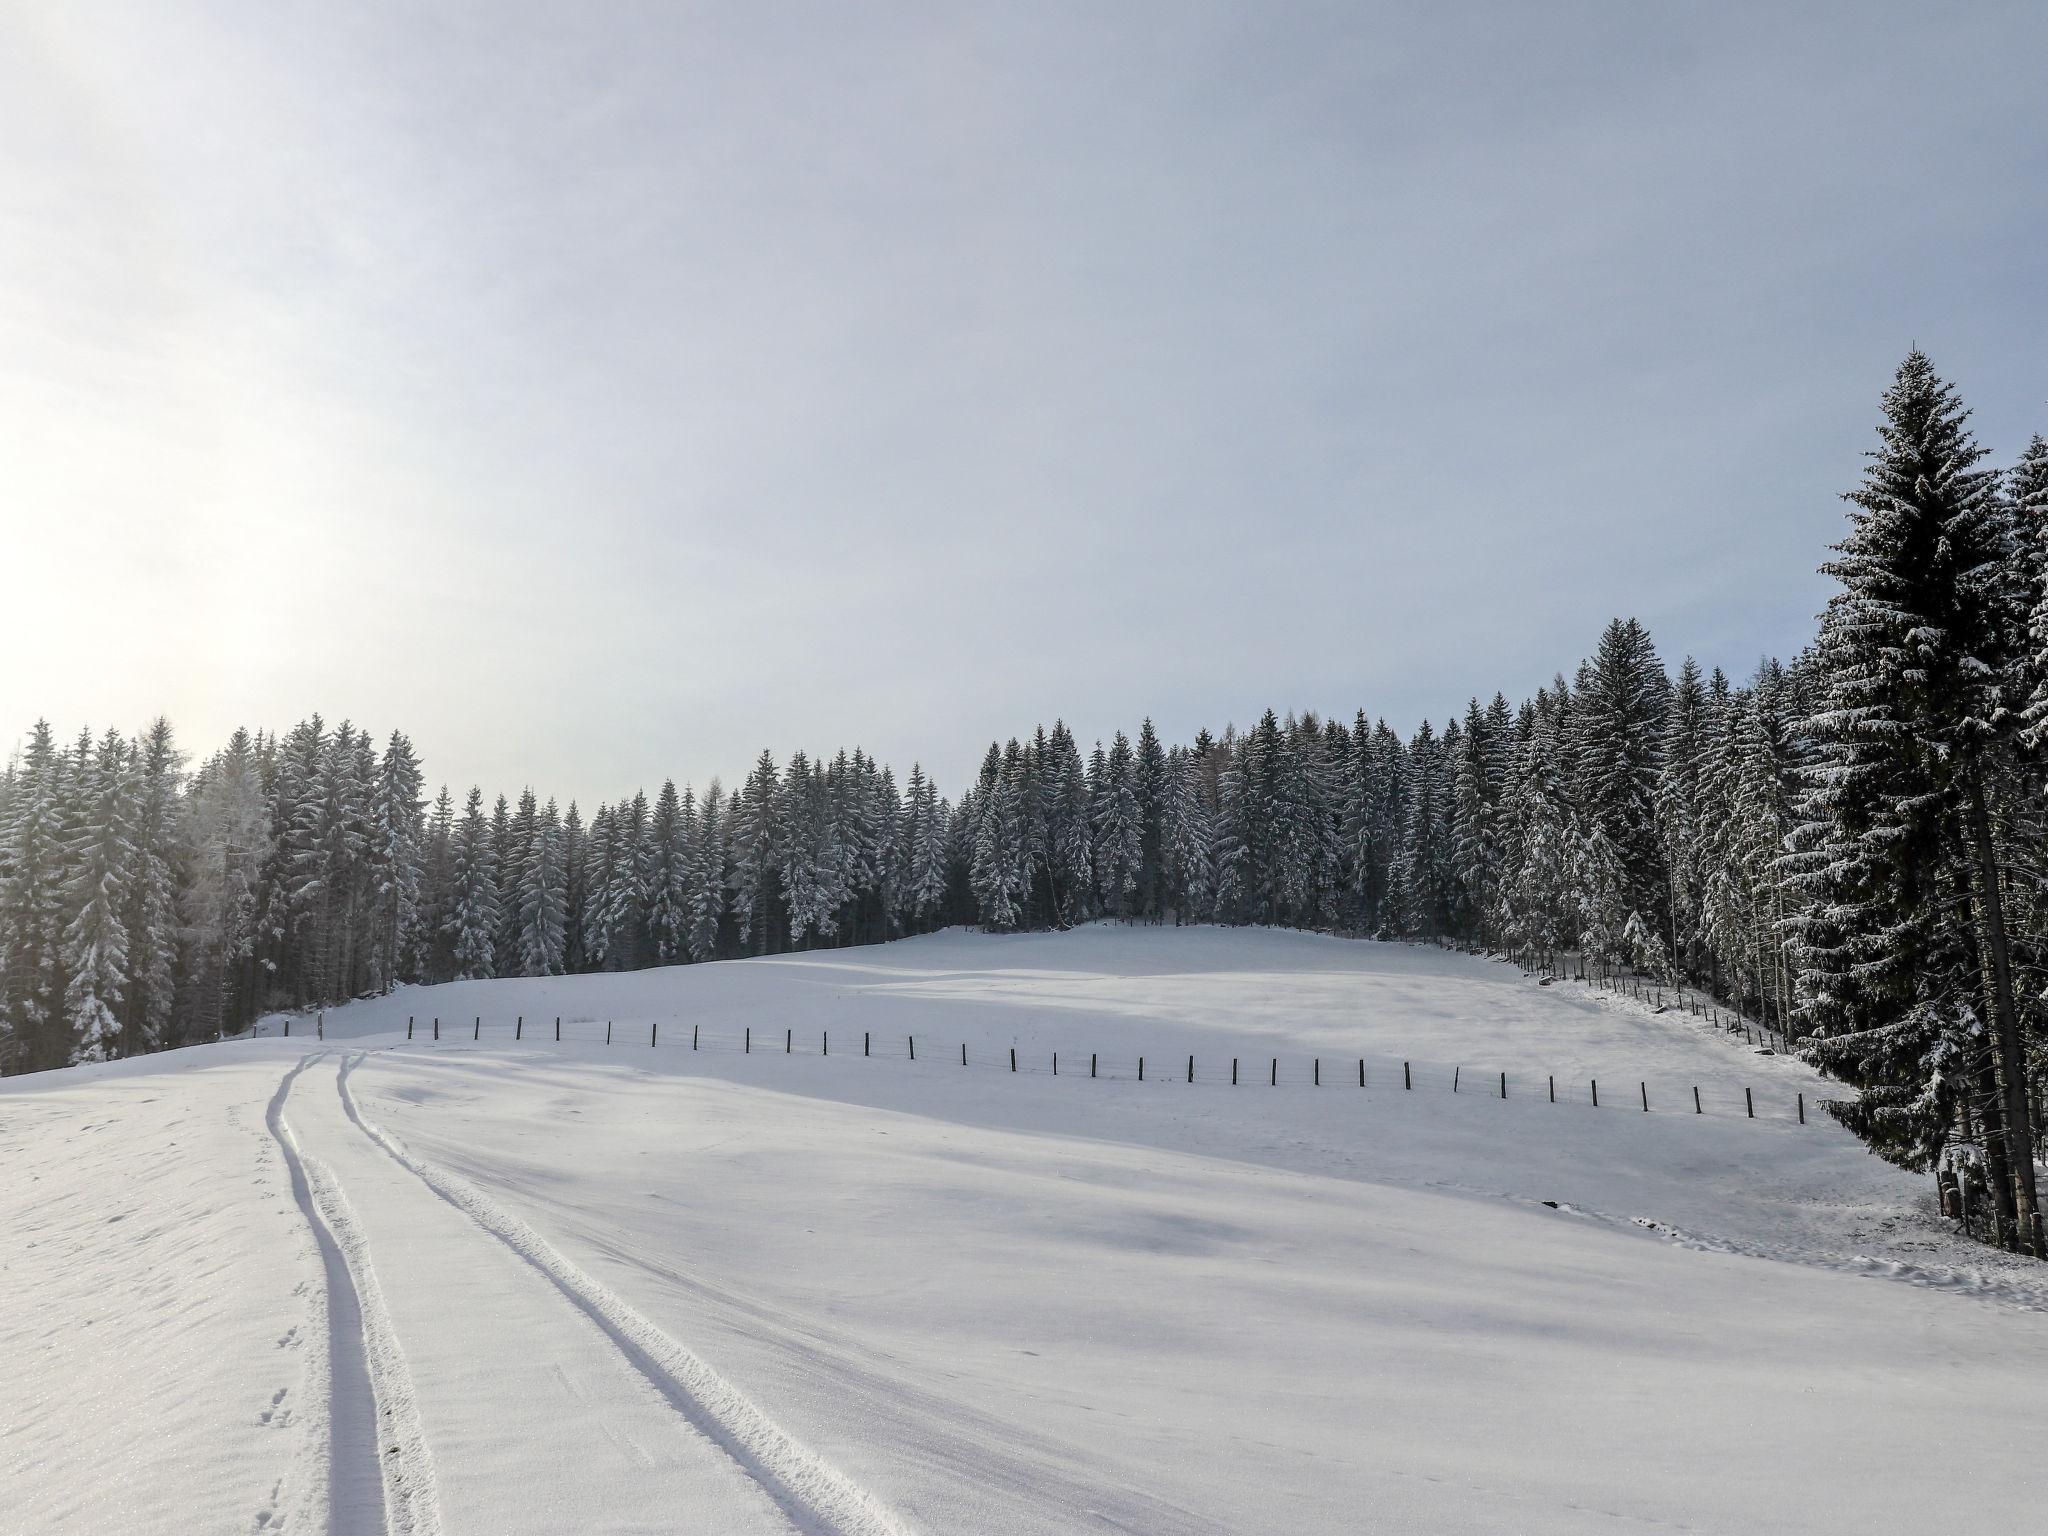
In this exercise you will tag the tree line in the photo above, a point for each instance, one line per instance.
(1847, 845)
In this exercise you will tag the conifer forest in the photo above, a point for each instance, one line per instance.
(1849, 845)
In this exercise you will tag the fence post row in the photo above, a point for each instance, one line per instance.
(1272, 1077)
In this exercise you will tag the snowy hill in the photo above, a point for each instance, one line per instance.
(497, 1285)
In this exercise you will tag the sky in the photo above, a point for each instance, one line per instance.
(605, 393)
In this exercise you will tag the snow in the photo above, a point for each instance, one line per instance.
(485, 1286)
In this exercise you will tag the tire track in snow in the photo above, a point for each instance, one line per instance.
(380, 1478)
(816, 1497)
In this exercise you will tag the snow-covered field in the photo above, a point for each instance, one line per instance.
(359, 1284)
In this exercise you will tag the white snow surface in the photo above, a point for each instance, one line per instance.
(353, 1283)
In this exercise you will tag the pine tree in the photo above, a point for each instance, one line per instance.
(1910, 733)
(543, 891)
(152, 915)
(32, 901)
(708, 877)
(755, 857)
(396, 856)
(1148, 786)
(1185, 838)
(101, 857)
(1119, 831)
(473, 891)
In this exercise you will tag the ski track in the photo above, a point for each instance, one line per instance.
(2019, 1295)
(368, 1488)
(817, 1498)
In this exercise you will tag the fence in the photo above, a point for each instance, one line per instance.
(1313, 1072)
(1649, 990)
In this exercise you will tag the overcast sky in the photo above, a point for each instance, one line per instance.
(602, 393)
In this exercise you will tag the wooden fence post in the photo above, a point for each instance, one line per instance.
(519, 1028)
(867, 1041)
(1191, 1069)
(1503, 1085)
(1646, 1097)
(1233, 1071)
(653, 1031)
(607, 1031)
(558, 1029)
(913, 1046)
(747, 1049)
(1596, 1092)
(1802, 1109)
(1091, 1063)
(1141, 1069)
(824, 1042)
(408, 1026)
(1013, 1058)
(1275, 1080)
(693, 1035)
(437, 1027)
(1456, 1073)
(1749, 1100)
(963, 1053)
(1696, 1100)
(1361, 1071)
(479, 1032)
(1553, 1087)
(1407, 1077)
(788, 1041)
(1319, 1072)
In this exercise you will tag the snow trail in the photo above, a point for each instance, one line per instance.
(368, 1488)
(818, 1499)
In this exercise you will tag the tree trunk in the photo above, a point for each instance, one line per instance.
(2004, 1209)
(2019, 1131)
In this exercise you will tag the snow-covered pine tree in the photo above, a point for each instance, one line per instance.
(32, 907)
(928, 855)
(1422, 879)
(101, 861)
(608, 876)
(1618, 723)
(1119, 831)
(575, 893)
(1185, 840)
(755, 859)
(397, 859)
(1148, 787)
(1070, 838)
(152, 918)
(708, 879)
(437, 863)
(664, 904)
(543, 895)
(1911, 733)
(473, 912)
(1475, 850)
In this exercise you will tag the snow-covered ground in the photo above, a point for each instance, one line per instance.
(362, 1284)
